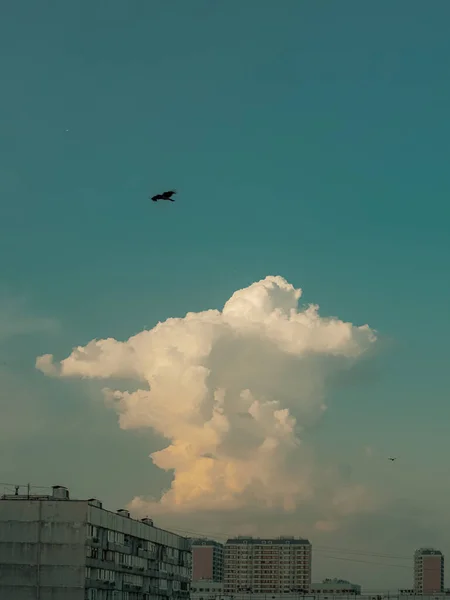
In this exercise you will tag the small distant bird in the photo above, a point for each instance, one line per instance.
(392, 458)
(164, 196)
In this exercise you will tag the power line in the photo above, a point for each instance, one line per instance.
(367, 562)
(35, 487)
(315, 548)
(321, 550)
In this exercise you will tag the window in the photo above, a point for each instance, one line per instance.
(92, 531)
(133, 579)
(105, 574)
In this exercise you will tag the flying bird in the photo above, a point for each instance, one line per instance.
(392, 458)
(164, 196)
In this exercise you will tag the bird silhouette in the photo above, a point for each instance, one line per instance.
(164, 196)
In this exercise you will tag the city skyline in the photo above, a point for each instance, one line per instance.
(246, 359)
(14, 491)
(252, 566)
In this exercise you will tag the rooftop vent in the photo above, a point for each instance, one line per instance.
(147, 521)
(60, 492)
(123, 512)
(95, 502)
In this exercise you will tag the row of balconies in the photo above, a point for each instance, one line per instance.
(237, 569)
(269, 550)
(127, 548)
(268, 560)
(266, 551)
(268, 580)
(122, 568)
(127, 586)
(257, 558)
(105, 584)
(271, 576)
(231, 573)
(259, 568)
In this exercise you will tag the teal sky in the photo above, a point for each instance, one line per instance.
(306, 139)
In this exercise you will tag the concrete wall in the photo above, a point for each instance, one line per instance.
(57, 549)
(110, 520)
(42, 549)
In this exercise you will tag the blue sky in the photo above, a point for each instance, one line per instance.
(308, 140)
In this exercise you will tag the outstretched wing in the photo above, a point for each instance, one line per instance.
(157, 197)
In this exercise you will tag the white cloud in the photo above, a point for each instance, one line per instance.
(45, 364)
(233, 391)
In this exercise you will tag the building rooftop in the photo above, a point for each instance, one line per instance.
(205, 542)
(62, 494)
(427, 552)
(276, 541)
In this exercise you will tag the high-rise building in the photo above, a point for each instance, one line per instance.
(207, 560)
(267, 566)
(52, 547)
(428, 571)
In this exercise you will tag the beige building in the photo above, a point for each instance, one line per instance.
(207, 560)
(267, 566)
(428, 571)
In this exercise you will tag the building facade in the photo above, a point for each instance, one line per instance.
(428, 571)
(207, 560)
(55, 548)
(335, 587)
(267, 566)
(208, 590)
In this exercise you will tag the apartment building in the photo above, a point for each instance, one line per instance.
(428, 571)
(55, 548)
(267, 566)
(207, 560)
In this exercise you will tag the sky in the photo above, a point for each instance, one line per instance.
(308, 143)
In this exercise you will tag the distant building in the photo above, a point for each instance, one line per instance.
(335, 587)
(55, 548)
(267, 566)
(207, 560)
(428, 571)
(208, 590)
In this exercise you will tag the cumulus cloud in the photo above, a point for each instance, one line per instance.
(233, 392)
(45, 364)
